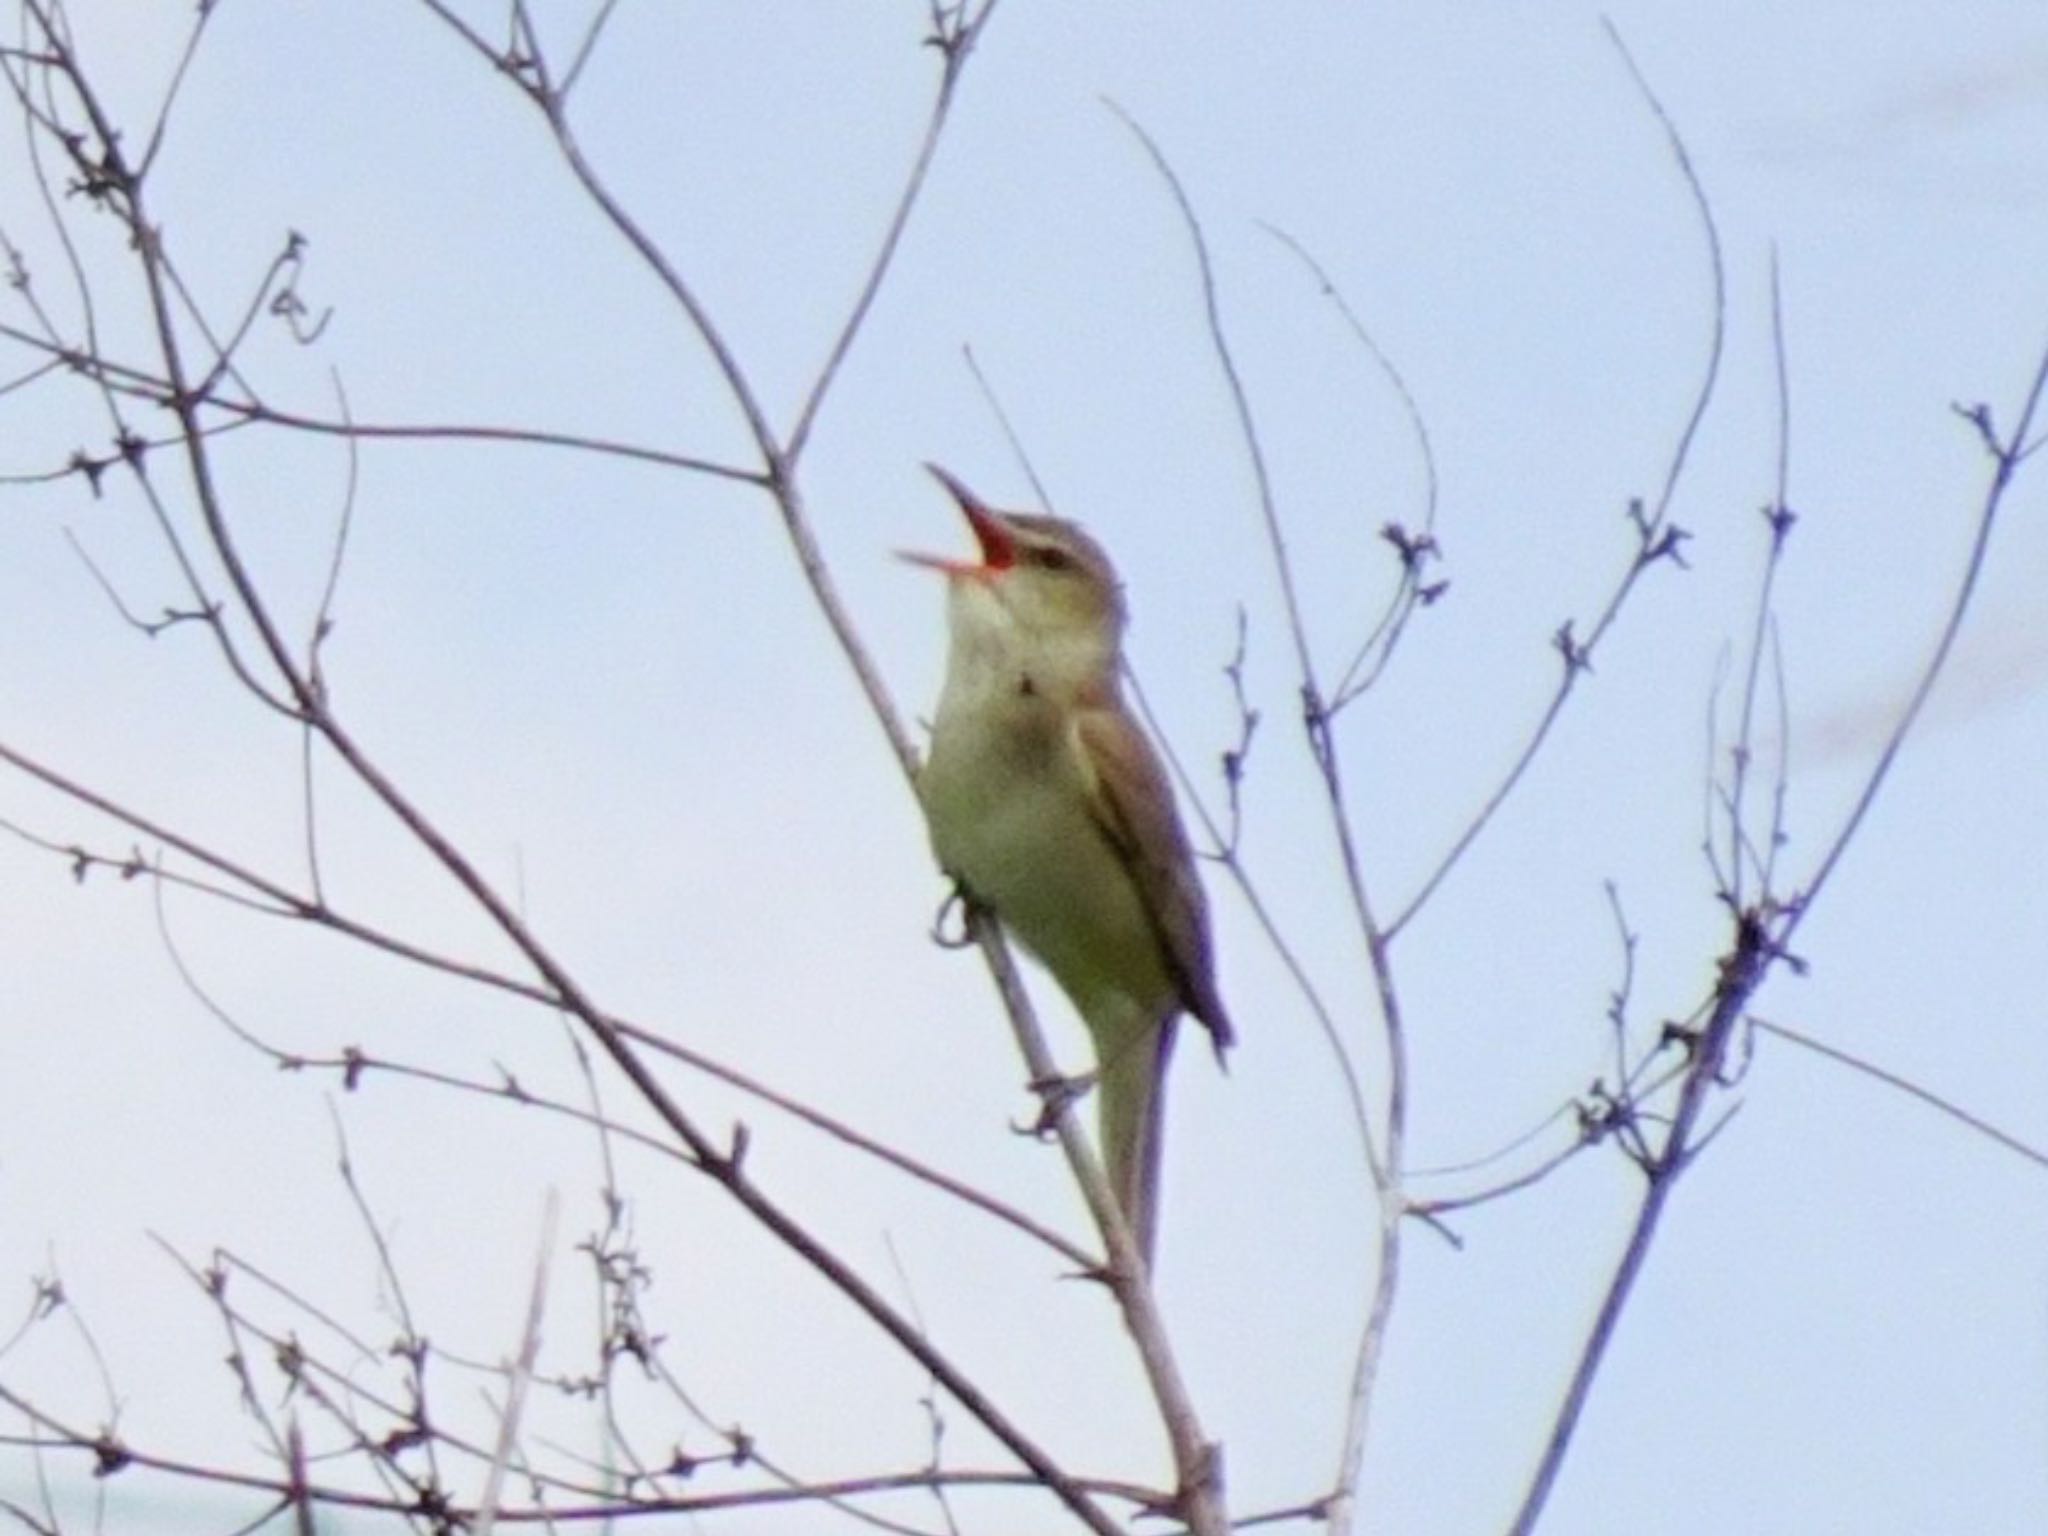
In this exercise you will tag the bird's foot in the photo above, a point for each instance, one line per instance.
(955, 908)
(1056, 1095)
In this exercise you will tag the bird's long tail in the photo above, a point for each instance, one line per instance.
(1132, 1083)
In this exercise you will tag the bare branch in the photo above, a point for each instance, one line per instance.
(1760, 941)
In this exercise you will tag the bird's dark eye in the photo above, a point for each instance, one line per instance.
(1052, 559)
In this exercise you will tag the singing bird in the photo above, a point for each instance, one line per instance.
(1048, 805)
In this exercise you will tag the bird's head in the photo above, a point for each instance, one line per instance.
(1041, 587)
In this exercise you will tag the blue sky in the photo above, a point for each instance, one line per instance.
(608, 683)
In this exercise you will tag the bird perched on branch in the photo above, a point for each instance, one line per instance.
(1049, 806)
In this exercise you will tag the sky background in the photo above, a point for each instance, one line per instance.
(609, 685)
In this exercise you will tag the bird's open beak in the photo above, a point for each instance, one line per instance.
(998, 546)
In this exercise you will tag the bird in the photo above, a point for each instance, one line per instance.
(1047, 804)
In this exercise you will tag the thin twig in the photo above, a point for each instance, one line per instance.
(1658, 539)
(519, 1373)
(2005, 456)
(1240, 398)
(1009, 429)
(1376, 650)
(587, 47)
(365, 431)
(953, 45)
(1387, 1165)
(1906, 1086)
(1779, 517)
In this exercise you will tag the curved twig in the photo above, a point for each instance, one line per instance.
(1657, 538)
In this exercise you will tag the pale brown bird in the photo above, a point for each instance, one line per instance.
(1048, 804)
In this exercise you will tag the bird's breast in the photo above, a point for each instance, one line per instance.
(1011, 817)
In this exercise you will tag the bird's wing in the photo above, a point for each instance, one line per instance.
(1133, 805)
